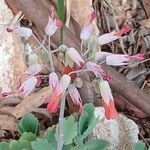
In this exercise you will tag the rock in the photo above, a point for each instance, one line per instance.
(11, 52)
(122, 132)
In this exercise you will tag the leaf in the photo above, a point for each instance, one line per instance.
(28, 123)
(87, 121)
(93, 145)
(61, 15)
(28, 136)
(50, 134)
(20, 145)
(69, 130)
(40, 144)
(140, 146)
(67, 147)
(4, 146)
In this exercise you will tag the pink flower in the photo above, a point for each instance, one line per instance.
(119, 59)
(100, 56)
(75, 95)
(73, 54)
(57, 93)
(33, 69)
(52, 26)
(27, 86)
(53, 80)
(86, 32)
(108, 100)
(21, 31)
(112, 36)
(93, 67)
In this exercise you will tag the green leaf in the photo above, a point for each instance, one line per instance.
(50, 134)
(4, 146)
(69, 130)
(40, 144)
(140, 146)
(61, 10)
(61, 15)
(20, 145)
(28, 136)
(67, 147)
(87, 121)
(93, 145)
(28, 123)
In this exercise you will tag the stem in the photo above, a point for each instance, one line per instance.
(81, 47)
(50, 55)
(60, 124)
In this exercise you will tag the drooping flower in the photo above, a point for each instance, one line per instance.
(120, 59)
(86, 32)
(52, 26)
(21, 31)
(93, 67)
(100, 55)
(108, 100)
(57, 93)
(112, 36)
(27, 86)
(73, 54)
(75, 95)
(33, 69)
(53, 80)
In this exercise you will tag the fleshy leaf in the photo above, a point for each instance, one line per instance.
(40, 144)
(4, 146)
(87, 121)
(69, 130)
(28, 123)
(93, 145)
(140, 146)
(29, 136)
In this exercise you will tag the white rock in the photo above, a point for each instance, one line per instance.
(122, 132)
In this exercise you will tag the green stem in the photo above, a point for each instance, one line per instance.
(60, 140)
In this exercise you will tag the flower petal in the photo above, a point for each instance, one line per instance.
(86, 32)
(53, 80)
(23, 31)
(34, 69)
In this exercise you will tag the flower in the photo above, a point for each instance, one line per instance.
(86, 32)
(93, 67)
(21, 31)
(57, 93)
(27, 86)
(120, 59)
(100, 56)
(33, 69)
(73, 54)
(114, 35)
(52, 26)
(107, 38)
(108, 100)
(53, 80)
(75, 95)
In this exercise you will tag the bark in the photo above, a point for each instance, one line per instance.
(39, 16)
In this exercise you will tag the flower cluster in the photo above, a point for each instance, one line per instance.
(76, 63)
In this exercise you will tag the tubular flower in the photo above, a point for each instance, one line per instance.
(93, 67)
(108, 100)
(112, 36)
(73, 54)
(86, 32)
(57, 93)
(100, 56)
(53, 80)
(27, 86)
(75, 96)
(21, 31)
(119, 59)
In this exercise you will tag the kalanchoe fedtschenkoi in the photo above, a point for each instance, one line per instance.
(73, 54)
(75, 95)
(21, 31)
(53, 80)
(93, 67)
(108, 100)
(27, 86)
(112, 36)
(119, 59)
(57, 93)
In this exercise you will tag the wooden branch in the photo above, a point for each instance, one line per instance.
(39, 16)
